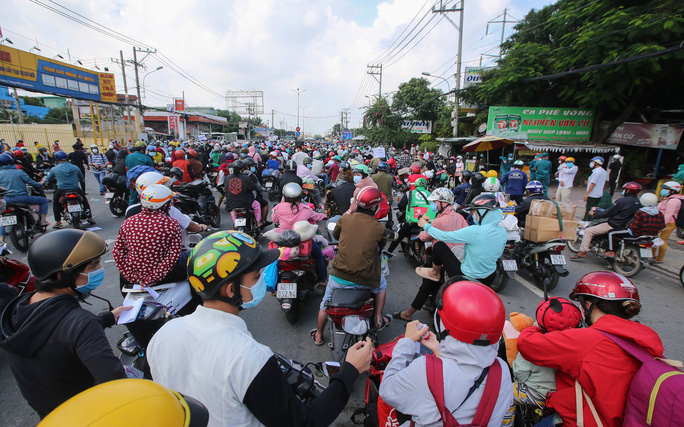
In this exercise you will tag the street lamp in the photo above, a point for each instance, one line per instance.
(425, 73)
(6, 40)
(58, 56)
(78, 62)
(297, 91)
(143, 84)
(34, 47)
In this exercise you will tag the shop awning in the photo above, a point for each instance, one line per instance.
(459, 140)
(559, 147)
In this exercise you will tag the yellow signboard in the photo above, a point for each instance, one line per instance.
(37, 73)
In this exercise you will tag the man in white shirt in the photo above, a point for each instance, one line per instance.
(566, 178)
(595, 184)
(211, 355)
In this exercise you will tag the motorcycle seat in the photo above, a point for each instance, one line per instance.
(349, 298)
(21, 205)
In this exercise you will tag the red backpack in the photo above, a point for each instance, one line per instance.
(435, 379)
(656, 394)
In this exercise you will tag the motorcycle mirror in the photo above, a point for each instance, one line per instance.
(331, 368)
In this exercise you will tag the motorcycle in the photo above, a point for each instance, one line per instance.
(15, 279)
(412, 247)
(630, 252)
(349, 314)
(196, 200)
(271, 185)
(118, 193)
(246, 222)
(25, 223)
(301, 378)
(72, 208)
(543, 261)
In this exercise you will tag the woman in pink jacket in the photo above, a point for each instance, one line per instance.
(447, 219)
(669, 207)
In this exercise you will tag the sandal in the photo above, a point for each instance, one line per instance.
(397, 315)
(312, 334)
(386, 320)
(424, 272)
(578, 257)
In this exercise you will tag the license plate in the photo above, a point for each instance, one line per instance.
(74, 208)
(645, 253)
(558, 259)
(269, 184)
(240, 222)
(8, 220)
(109, 195)
(509, 265)
(286, 290)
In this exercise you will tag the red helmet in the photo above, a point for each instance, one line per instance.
(179, 154)
(562, 158)
(471, 312)
(192, 153)
(605, 285)
(18, 153)
(632, 188)
(558, 314)
(368, 197)
(415, 169)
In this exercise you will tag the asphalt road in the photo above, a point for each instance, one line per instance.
(660, 292)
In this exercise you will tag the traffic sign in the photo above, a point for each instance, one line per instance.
(297, 129)
(297, 133)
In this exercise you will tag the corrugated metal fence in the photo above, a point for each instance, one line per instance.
(47, 134)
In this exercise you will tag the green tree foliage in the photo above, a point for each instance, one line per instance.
(572, 34)
(383, 127)
(58, 116)
(234, 120)
(415, 100)
(29, 100)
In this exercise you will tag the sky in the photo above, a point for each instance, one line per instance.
(321, 47)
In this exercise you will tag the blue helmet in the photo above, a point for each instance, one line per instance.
(534, 187)
(6, 159)
(598, 159)
(382, 166)
(61, 156)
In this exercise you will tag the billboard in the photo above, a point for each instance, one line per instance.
(261, 131)
(179, 105)
(473, 75)
(417, 126)
(646, 135)
(25, 70)
(540, 123)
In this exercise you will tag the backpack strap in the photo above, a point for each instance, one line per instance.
(489, 396)
(579, 392)
(636, 351)
(435, 380)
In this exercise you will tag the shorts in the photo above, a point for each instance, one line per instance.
(333, 284)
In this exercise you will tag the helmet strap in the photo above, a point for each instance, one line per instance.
(587, 311)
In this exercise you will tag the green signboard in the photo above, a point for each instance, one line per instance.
(540, 123)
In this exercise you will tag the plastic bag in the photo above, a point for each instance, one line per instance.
(288, 239)
(270, 275)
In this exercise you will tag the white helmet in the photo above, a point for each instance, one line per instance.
(442, 195)
(672, 186)
(156, 196)
(491, 185)
(150, 178)
(217, 147)
(648, 199)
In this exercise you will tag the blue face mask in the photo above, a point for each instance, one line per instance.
(309, 166)
(253, 169)
(570, 164)
(434, 207)
(357, 179)
(624, 192)
(664, 192)
(95, 279)
(258, 291)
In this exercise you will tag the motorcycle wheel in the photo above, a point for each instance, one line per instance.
(273, 194)
(215, 216)
(19, 235)
(76, 220)
(292, 315)
(574, 245)
(118, 205)
(549, 273)
(631, 264)
(681, 276)
(500, 280)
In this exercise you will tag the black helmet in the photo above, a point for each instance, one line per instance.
(345, 166)
(482, 204)
(477, 179)
(63, 251)
(466, 175)
(291, 165)
(248, 161)
(382, 166)
(238, 165)
(176, 172)
(223, 256)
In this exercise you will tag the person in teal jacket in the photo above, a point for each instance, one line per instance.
(543, 173)
(533, 167)
(138, 157)
(484, 241)
(506, 164)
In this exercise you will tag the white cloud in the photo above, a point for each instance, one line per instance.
(265, 45)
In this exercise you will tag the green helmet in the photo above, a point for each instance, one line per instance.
(223, 256)
(421, 182)
(361, 169)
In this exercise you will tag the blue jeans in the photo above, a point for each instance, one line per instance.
(98, 176)
(31, 200)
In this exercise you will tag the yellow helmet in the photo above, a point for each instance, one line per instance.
(492, 174)
(129, 402)
(570, 159)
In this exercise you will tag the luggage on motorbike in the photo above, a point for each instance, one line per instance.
(288, 239)
(549, 209)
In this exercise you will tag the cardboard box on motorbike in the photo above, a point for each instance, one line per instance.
(548, 209)
(543, 229)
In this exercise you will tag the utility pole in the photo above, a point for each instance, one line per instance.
(128, 107)
(273, 118)
(443, 10)
(376, 70)
(503, 30)
(16, 99)
(136, 64)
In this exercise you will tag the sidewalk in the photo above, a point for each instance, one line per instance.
(674, 258)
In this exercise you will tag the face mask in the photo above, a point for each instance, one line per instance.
(434, 207)
(258, 291)
(94, 150)
(570, 164)
(357, 179)
(664, 193)
(253, 169)
(309, 166)
(95, 279)
(592, 164)
(151, 154)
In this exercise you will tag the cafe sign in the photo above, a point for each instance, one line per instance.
(540, 123)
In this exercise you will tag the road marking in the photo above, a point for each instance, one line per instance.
(526, 283)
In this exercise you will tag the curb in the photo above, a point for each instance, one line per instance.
(656, 267)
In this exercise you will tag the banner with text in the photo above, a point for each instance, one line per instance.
(25, 70)
(549, 124)
(645, 135)
(417, 126)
